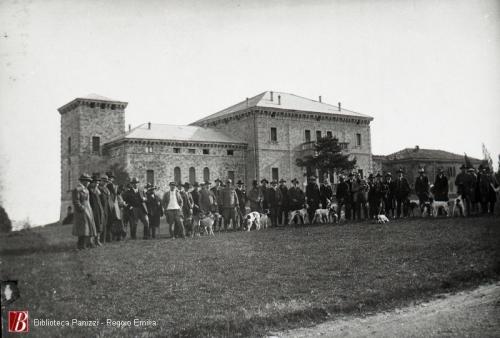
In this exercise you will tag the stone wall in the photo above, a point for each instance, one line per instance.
(140, 156)
(254, 127)
(81, 122)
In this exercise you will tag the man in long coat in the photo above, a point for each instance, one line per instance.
(187, 208)
(83, 225)
(274, 202)
(342, 195)
(155, 209)
(136, 201)
(441, 187)
(313, 196)
(422, 188)
(265, 197)
(389, 195)
(255, 197)
(402, 192)
(465, 188)
(108, 207)
(230, 202)
(285, 203)
(96, 205)
(195, 194)
(296, 196)
(326, 192)
(242, 200)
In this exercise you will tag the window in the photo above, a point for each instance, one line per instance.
(230, 175)
(103, 105)
(206, 174)
(329, 134)
(92, 104)
(192, 175)
(177, 150)
(149, 149)
(358, 140)
(274, 174)
(206, 151)
(230, 152)
(113, 106)
(69, 145)
(192, 151)
(308, 135)
(96, 144)
(318, 135)
(274, 135)
(177, 175)
(150, 176)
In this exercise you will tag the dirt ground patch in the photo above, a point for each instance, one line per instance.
(473, 313)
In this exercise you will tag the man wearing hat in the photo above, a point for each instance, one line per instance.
(341, 195)
(265, 193)
(195, 194)
(374, 195)
(465, 188)
(155, 209)
(402, 192)
(422, 188)
(216, 192)
(326, 191)
(274, 202)
(230, 202)
(108, 207)
(96, 205)
(242, 201)
(136, 201)
(389, 195)
(83, 225)
(172, 202)
(208, 201)
(115, 218)
(349, 200)
(296, 196)
(285, 203)
(441, 186)
(187, 208)
(255, 197)
(313, 196)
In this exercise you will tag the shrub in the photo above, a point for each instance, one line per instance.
(5, 222)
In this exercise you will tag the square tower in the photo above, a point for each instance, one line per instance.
(86, 124)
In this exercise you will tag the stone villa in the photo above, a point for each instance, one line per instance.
(260, 137)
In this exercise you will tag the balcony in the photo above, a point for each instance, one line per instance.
(307, 148)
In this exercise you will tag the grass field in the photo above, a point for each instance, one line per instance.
(246, 284)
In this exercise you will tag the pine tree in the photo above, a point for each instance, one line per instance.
(328, 156)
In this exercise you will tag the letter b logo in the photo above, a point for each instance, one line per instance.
(18, 321)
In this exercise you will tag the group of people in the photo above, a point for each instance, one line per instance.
(104, 210)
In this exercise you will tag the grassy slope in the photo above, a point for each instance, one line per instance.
(248, 283)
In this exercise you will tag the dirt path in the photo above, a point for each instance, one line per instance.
(466, 314)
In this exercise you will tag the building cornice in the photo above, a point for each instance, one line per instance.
(176, 143)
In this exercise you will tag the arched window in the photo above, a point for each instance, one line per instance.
(206, 174)
(177, 175)
(192, 175)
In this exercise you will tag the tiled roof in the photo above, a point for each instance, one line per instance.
(287, 101)
(426, 154)
(171, 132)
(97, 97)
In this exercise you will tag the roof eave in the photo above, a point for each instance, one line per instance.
(76, 100)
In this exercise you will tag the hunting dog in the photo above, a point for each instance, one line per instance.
(381, 219)
(207, 221)
(301, 215)
(252, 219)
(264, 219)
(458, 205)
(436, 205)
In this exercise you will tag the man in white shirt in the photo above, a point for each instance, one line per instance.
(172, 202)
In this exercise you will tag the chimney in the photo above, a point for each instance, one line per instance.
(319, 99)
(272, 96)
(340, 106)
(129, 127)
(149, 125)
(279, 99)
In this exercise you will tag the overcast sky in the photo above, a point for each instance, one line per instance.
(427, 71)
